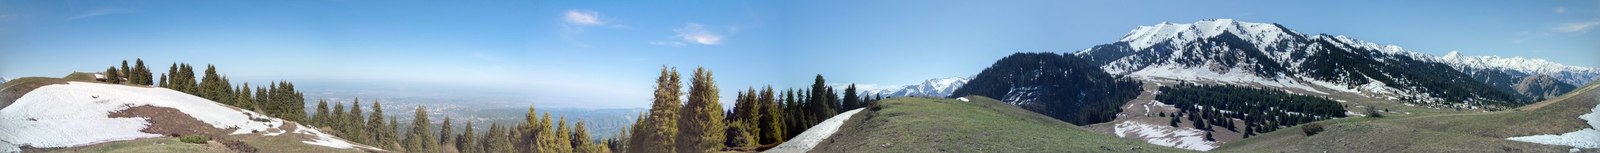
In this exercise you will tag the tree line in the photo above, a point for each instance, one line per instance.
(1262, 110)
(278, 99)
(535, 134)
(759, 118)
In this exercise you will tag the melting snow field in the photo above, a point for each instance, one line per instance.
(75, 114)
(1583, 138)
(1164, 135)
(808, 139)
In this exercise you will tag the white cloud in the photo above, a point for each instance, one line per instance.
(583, 17)
(1560, 10)
(696, 33)
(1578, 26)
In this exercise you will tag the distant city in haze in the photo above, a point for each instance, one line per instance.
(585, 54)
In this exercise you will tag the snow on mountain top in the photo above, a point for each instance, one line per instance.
(76, 114)
(1267, 33)
(1531, 65)
(938, 87)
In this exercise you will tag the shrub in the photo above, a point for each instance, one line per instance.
(1311, 129)
(195, 139)
(1373, 112)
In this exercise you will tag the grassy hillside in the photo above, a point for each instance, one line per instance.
(981, 125)
(1463, 132)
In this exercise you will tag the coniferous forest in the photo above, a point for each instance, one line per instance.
(1262, 110)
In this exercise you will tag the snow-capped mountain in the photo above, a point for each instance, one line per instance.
(1573, 75)
(939, 87)
(1271, 55)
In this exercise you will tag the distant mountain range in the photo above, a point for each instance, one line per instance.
(1271, 55)
(939, 87)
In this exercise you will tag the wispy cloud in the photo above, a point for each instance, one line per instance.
(1579, 27)
(1560, 10)
(575, 22)
(697, 34)
(583, 17)
(99, 12)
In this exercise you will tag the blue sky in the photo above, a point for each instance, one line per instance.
(604, 54)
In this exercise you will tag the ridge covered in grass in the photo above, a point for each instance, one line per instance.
(980, 124)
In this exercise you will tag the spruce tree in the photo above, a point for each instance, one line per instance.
(112, 76)
(496, 140)
(123, 73)
(661, 127)
(141, 73)
(547, 135)
(244, 101)
(467, 141)
(851, 101)
(445, 137)
(212, 87)
(164, 81)
(379, 131)
(563, 136)
(580, 140)
(526, 137)
(356, 123)
(420, 138)
(336, 119)
(391, 136)
(320, 117)
(771, 122)
(701, 125)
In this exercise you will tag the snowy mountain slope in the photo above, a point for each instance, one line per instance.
(1574, 75)
(83, 113)
(939, 87)
(1271, 55)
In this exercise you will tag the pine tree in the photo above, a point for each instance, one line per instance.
(851, 100)
(660, 130)
(212, 87)
(139, 75)
(496, 140)
(356, 123)
(420, 139)
(380, 132)
(164, 81)
(563, 139)
(1174, 120)
(336, 119)
(122, 76)
(467, 141)
(771, 122)
(321, 116)
(445, 137)
(580, 140)
(701, 127)
(546, 137)
(526, 137)
(1208, 136)
(244, 101)
(111, 75)
(391, 136)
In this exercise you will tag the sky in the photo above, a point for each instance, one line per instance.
(606, 54)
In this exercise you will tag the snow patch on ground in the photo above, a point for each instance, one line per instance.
(963, 99)
(1583, 138)
(1186, 138)
(75, 114)
(323, 139)
(809, 139)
